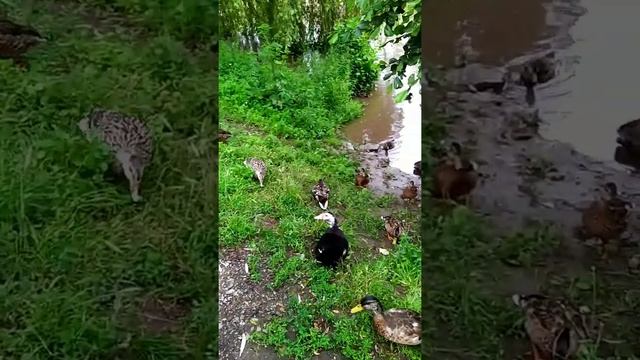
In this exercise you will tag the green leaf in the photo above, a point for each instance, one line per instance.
(401, 96)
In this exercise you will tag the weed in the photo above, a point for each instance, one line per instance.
(77, 256)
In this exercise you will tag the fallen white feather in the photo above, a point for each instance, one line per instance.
(246, 267)
(243, 343)
(383, 251)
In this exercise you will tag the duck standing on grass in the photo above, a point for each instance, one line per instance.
(553, 326)
(332, 247)
(393, 228)
(400, 326)
(259, 169)
(320, 192)
(362, 177)
(15, 40)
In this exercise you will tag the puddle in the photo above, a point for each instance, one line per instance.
(384, 120)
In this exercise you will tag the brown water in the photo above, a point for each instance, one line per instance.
(385, 120)
(601, 84)
(597, 85)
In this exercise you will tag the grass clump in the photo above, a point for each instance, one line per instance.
(288, 116)
(83, 268)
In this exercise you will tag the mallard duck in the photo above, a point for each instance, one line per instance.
(332, 247)
(410, 192)
(129, 140)
(417, 168)
(386, 146)
(454, 177)
(393, 227)
(17, 39)
(400, 326)
(362, 178)
(629, 136)
(553, 326)
(606, 218)
(223, 135)
(259, 169)
(320, 192)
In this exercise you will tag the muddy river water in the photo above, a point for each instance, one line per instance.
(597, 84)
(385, 120)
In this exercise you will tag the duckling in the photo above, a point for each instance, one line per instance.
(223, 135)
(553, 326)
(15, 40)
(454, 177)
(400, 326)
(386, 146)
(332, 247)
(410, 192)
(606, 218)
(259, 169)
(393, 227)
(417, 168)
(362, 178)
(320, 192)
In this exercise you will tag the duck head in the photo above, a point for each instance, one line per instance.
(369, 302)
(327, 217)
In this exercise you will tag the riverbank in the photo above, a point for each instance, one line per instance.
(86, 273)
(518, 234)
(271, 289)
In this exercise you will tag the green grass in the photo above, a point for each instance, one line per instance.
(294, 129)
(78, 258)
(467, 267)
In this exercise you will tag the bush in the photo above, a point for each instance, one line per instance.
(364, 70)
(304, 101)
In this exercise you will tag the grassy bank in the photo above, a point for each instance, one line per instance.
(471, 268)
(85, 273)
(289, 116)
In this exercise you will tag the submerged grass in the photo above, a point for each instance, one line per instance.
(84, 271)
(288, 116)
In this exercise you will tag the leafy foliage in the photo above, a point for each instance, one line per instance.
(294, 102)
(398, 21)
(298, 25)
(349, 42)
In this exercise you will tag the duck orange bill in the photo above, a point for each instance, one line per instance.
(357, 309)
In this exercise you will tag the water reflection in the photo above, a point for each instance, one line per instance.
(385, 120)
(603, 94)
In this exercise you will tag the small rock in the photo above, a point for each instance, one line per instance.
(383, 251)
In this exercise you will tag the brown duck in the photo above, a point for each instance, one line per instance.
(362, 178)
(606, 217)
(15, 40)
(223, 135)
(454, 177)
(393, 228)
(410, 192)
(554, 327)
(417, 168)
(400, 326)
